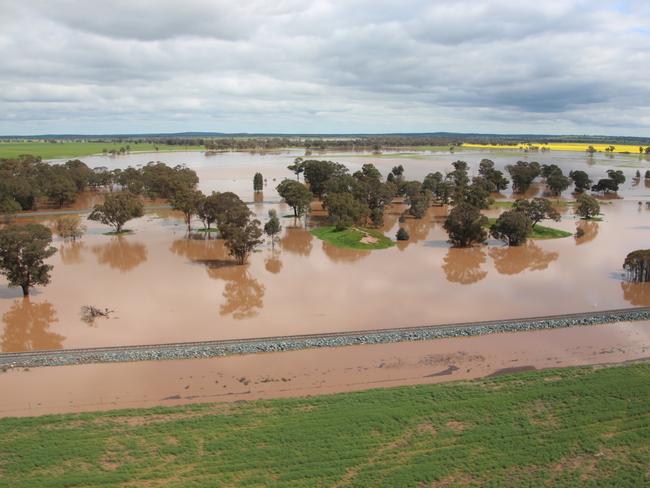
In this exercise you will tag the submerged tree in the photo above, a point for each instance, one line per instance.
(465, 225)
(581, 180)
(637, 266)
(117, 210)
(587, 206)
(512, 227)
(69, 227)
(296, 195)
(240, 232)
(523, 173)
(188, 202)
(258, 182)
(272, 228)
(23, 251)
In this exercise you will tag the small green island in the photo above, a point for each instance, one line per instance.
(539, 231)
(353, 237)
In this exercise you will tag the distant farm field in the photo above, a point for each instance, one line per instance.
(583, 426)
(48, 150)
(562, 146)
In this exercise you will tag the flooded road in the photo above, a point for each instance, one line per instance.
(146, 384)
(167, 286)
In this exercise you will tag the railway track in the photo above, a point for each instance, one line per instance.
(206, 349)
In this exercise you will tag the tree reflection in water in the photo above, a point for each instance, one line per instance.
(244, 294)
(297, 240)
(343, 254)
(26, 327)
(638, 294)
(70, 252)
(200, 247)
(590, 231)
(463, 265)
(121, 253)
(515, 259)
(273, 263)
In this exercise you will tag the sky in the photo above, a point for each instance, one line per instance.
(348, 66)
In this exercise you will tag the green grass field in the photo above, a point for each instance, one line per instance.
(569, 427)
(47, 150)
(351, 237)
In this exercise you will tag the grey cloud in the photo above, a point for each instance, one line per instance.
(324, 65)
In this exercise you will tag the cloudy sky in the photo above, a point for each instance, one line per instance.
(513, 66)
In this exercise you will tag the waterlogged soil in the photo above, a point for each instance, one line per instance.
(165, 285)
(299, 373)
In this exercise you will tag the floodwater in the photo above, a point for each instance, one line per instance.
(299, 373)
(164, 285)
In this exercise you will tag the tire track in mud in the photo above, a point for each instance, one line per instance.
(228, 347)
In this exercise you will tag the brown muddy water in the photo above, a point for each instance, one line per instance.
(167, 286)
(300, 373)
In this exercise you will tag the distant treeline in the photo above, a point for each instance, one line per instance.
(26, 181)
(236, 142)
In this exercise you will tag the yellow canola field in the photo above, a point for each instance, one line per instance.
(561, 146)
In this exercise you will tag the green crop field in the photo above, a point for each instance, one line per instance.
(569, 427)
(48, 150)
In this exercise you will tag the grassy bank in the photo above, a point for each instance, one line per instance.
(352, 237)
(48, 150)
(562, 428)
(540, 231)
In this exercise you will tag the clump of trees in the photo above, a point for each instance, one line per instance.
(23, 251)
(610, 184)
(486, 170)
(69, 227)
(523, 174)
(512, 227)
(555, 179)
(536, 209)
(581, 181)
(637, 266)
(117, 210)
(587, 206)
(26, 180)
(349, 199)
(465, 225)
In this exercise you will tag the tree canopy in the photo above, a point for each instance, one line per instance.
(23, 251)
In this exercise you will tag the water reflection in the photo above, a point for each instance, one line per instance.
(70, 252)
(638, 294)
(200, 247)
(463, 265)
(243, 294)
(344, 255)
(589, 230)
(121, 253)
(515, 259)
(273, 263)
(297, 240)
(26, 327)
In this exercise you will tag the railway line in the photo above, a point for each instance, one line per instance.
(225, 347)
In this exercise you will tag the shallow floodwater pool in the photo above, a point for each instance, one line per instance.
(166, 285)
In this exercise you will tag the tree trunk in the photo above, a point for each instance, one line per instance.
(25, 290)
